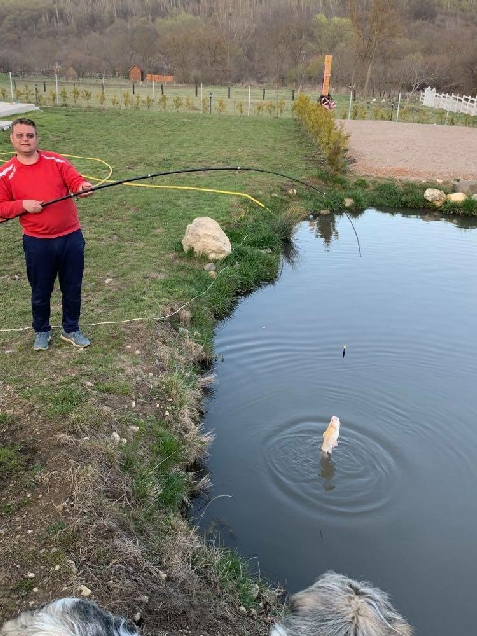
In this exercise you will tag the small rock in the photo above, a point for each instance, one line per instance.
(134, 429)
(30, 575)
(348, 202)
(108, 280)
(84, 591)
(456, 197)
(254, 591)
(210, 267)
(115, 438)
(213, 274)
(324, 212)
(435, 196)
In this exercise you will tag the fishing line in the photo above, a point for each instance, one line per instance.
(105, 183)
(151, 175)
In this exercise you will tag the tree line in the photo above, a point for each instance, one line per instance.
(378, 46)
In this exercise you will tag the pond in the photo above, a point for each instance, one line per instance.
(396, 503)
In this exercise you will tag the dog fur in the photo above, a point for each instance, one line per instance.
(338, 606)
(69, 617)
(330, 436)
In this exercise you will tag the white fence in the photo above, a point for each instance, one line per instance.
(452, 103)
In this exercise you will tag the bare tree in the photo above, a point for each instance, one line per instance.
(374, 22)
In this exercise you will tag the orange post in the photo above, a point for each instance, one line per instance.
(325, 88)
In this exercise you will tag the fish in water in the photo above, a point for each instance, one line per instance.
(330, 436)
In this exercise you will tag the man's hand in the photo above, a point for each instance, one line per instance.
(85, 187)
(33, 207)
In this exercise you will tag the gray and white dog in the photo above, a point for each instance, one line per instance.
(338, 606)
(68, 617)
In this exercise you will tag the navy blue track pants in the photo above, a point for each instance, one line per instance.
(45, 260)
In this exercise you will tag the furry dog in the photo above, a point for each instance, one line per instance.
(330, 436)
(338, 606)
(68, 617)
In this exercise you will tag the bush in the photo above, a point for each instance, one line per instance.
(320, 125)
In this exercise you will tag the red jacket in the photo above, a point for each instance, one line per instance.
(51, 177)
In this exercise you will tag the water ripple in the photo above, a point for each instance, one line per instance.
(359, 478)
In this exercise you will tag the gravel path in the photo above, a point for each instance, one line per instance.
(412, 151)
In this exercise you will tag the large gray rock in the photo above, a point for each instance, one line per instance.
(206, 237)
(467, 187)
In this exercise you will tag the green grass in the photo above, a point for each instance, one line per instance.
(11, 460)
(132, 267)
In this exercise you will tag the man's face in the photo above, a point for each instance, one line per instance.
(24, 140)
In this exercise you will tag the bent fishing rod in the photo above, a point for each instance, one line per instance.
(151, 175)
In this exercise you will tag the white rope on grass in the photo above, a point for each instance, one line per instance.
(129, 320)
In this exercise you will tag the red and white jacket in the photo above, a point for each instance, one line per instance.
(51, 177)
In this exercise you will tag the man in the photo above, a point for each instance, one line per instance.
(52, 238)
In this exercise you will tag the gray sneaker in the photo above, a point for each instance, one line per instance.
(76, 338)
(42, 340)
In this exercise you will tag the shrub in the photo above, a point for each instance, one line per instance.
(320, 125)
(177, 101)
(221, 106)
(270, 108)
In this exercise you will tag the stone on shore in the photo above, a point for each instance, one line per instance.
(435, 196)
(206, 238)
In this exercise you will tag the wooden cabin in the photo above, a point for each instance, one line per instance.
(136, 74)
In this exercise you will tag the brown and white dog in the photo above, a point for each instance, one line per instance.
(68, 617)
(330, 436)
(338, 606)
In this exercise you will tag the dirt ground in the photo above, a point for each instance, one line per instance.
(412, 151)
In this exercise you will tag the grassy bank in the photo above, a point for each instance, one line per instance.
(98, 447)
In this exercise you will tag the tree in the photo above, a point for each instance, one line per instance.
(374, 22)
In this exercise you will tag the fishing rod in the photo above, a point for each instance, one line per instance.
(151, 175)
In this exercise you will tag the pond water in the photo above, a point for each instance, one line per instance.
(396, 503)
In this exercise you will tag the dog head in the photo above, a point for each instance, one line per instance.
(336, 605)
(69, 617)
